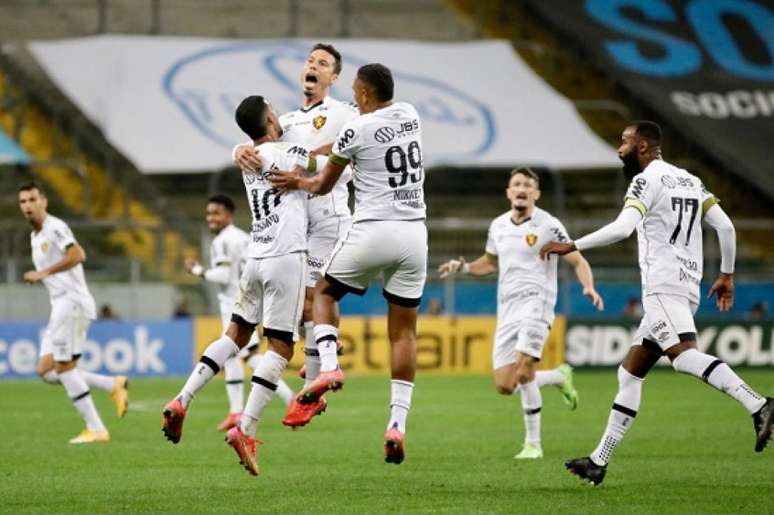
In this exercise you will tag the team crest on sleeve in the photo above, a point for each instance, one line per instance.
(44, 247)
(319, 121)
(531, 239)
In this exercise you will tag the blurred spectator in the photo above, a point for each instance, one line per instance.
(106, 313)
(633, 308)
(181, 311)
(758, 311)
(434, 307)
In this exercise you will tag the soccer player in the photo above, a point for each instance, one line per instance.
(271, 289)
(526, 298)
(227, 256)
(388, 236)
(315, 126)
(57, 258)
(666, 204)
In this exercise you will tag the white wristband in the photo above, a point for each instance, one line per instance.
(198, 269)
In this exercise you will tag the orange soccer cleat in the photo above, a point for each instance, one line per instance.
(174, 415)
(244, 446)
(231, 420)
(299, 415)
(393, 446)
(332, 380)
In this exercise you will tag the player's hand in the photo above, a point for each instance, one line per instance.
(451, 267)
(286, 180)
(34, 276)
(596, 298)
(724, 289)
(247, 158)
(555, 247)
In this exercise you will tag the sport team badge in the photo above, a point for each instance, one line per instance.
(318, 121)
(531, 239)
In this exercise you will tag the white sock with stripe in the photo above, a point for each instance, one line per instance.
(531, 404)
(400, 403)
(79, 393)
(265, 380)
(213, 358)
(326, 336)
(625, 406)
(234, 374)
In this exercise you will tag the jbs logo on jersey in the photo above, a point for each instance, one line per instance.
(318, 121)
(44, 247)
(345, 138)
(384, 134)
(531, 239)
(406, 127)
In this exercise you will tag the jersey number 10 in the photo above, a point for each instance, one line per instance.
(259, 202)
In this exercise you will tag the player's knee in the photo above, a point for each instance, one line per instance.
(504, 388)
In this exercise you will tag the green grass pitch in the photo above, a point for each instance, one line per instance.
(690, 450)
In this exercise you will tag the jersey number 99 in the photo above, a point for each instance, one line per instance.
(406, 163)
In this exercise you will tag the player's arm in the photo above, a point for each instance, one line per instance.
(617, 230)
(320, 183)
(724, 285)
(246, 156)
(74, 255)
(220, 273)
(484, 265)
(323, 150)
(585, 277)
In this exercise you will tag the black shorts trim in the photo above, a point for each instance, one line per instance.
(210, 363)
(311, 352)
(710, 368)
(339, 286)
(284, 336)
(687, 337)
(624, 410)
(81, 396)
(404, 302)
(263, 382)
(533, 411)
(652, 347)
(238, 320)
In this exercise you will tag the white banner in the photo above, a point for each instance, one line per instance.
(168, 103)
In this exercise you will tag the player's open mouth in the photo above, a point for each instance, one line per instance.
(310, 78)
(521, 196)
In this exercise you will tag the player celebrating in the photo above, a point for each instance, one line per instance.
(666, 204)
(57, 258)
(526, 298)
(388, 236)
(227, 255)
(315, 126)
(271, 289)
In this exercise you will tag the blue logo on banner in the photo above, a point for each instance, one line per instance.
(129, 348)
(210, 104)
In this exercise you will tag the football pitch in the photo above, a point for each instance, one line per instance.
(690, 450)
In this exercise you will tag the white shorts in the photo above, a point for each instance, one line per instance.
(65, 333)
(668, 319)
(271, 292)
(397, 249)
(321, 240)
(525, 336)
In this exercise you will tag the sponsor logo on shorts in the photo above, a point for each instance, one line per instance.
(315, 263)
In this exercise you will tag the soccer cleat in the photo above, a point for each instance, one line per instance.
(231, 420)
(332, 380)
(339, 352)
(762, 422)
(244, 446)
(530, 452)
(569, 392)
(299, 415)
(120, 395)
(89, 436)
(174, 415)
(393, 446)
(586, 469)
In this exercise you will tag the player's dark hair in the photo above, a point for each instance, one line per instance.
(29, 186)
(648, 130)
(223, 200)
(251, 116)
(524, 170)
(331, 50)
(380, 78)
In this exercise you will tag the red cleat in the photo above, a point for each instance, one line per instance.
(393, 446)
(174, 415)
(302, 372)
(231, 420)
(299, 415)
(332, 380)
(244, 446)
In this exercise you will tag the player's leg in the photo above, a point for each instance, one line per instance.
(311, 355)
(531, 405)
(234, 376)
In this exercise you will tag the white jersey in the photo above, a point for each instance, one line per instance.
(314, 127)
(523, 277)
(672, 202)
(229, 248)
(385, 150)
(279, 219)
(49, 246)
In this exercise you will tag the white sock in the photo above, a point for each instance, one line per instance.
(79, 393)
(50, 377)
(326, 335)
(213, 358)
(625, 406)
(265, 380)
(100, 381)
(284, 392)
(549, 378)
(311, 354)
(531, 404)
(400, 403)
(235, 390)
(713, 371)
(253, 361)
